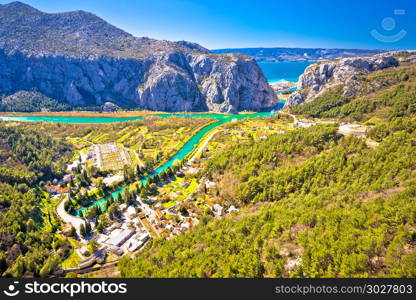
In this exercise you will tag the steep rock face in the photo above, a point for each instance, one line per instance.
(82, 60)
(110, 107)
(317, 78)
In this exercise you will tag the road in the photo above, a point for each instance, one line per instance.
(201, 147)
(76, 221)
(66, 217)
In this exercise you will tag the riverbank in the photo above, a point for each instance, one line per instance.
(183, 152)
(113, 118)
(119, 114)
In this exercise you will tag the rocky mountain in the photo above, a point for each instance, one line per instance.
(299, 54)
(322, 76)
(79, 59)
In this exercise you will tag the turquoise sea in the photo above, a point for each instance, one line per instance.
(286, 70)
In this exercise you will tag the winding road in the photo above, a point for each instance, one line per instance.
(68, 218)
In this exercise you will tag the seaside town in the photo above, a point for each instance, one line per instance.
(283, 88)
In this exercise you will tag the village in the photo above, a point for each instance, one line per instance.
(171, 212)
(283, 88)
(176, 205)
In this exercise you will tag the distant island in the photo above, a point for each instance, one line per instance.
(299, 54)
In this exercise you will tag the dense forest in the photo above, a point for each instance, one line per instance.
(313, 202)
(30, 101)
(28, 243)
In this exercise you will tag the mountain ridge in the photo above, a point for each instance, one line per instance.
(80, 59)
(299, 54)
(320, 77)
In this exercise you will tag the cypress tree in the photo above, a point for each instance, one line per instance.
(87, 227)
(82, 230)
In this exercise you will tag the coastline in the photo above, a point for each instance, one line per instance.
(283, 80)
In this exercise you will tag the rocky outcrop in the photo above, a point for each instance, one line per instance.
(319, 77)
(80, 59)
(110, 107)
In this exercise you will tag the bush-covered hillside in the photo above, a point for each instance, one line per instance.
(28, 244)
(334, 208)
(391, 92)
(25, 101)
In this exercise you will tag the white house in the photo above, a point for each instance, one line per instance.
(131, 211)
(218, 209)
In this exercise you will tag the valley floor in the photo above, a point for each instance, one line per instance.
(176, 206)
(243, 172)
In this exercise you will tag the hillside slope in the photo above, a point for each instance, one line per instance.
(346, 72)
(80, 59)
(315, 203)
(387, 93)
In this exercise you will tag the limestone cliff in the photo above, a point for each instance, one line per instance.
(319, 77)
(79, 59)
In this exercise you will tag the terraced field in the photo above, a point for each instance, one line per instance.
(152, 139)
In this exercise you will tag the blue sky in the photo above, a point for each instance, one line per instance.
(258, 23)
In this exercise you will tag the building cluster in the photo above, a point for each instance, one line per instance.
(121, 240)
(353, 129)
(126, 235)
(58, 187)
(168, 222)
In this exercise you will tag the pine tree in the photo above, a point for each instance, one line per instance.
(82, 230)
(87, 227)
(119, 198)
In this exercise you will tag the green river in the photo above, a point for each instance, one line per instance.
(187, 148)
